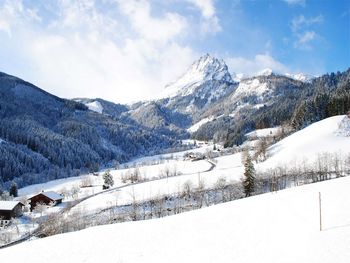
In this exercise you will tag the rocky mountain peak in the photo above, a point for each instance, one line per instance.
(206, 68)
(210, 68)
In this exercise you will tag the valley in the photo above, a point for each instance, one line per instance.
(170, 184)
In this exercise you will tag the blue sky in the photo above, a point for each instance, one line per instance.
(126, 50)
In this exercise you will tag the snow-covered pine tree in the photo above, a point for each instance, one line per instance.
(249, 176)
(14, 190)
(107, 180)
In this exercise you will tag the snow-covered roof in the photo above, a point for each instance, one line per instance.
(8, 205)
(50, 194)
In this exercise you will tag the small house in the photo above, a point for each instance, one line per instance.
(48, 198)
(194, 156)
(9, 210)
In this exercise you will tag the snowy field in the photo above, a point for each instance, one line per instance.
(150, 166)
(274, 227)
(305, 146)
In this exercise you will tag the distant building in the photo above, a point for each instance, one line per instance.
(9, 210)
(47, 198)
(194, 156)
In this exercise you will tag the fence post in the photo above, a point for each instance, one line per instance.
(320, 208)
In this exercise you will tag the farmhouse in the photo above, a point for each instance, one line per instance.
(191, 156)
(8, 210)
(47, 198)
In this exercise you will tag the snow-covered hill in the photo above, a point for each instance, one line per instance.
(282, 227)
(305, 146)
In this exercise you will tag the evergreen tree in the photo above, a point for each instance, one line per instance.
(14, 190)
(107, 180)
(249, 176)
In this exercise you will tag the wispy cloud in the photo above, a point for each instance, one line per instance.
(303, 40)
(14, 13)
(248, 67)
(302, 31)
(301, 21)
(210, 22)
(295, 2)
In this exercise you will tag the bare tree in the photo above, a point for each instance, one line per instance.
(220, 185)
(187, 188)
(261, 150)
(75, 192)
(40, 208)
(86, 181)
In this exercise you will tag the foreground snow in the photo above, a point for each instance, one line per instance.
(278, 227)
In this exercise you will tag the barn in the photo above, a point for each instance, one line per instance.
(8, 210)
(47, 198)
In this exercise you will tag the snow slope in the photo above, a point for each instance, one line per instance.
(261, 133)
(95, 106)
(197, 125)
(278, 227)
(301, 77)
(325, 136)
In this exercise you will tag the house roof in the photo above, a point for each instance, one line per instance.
(50, 194)
(8, 205)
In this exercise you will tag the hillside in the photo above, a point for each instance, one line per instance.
(45, 137)
(266, 228)
(311, 144)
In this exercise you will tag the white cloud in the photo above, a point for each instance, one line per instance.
(86, 67)
(295, 2)
(248, 67)
(156, 29)
(80, 53)
(14, 13)
(210, 23)
(206, 7)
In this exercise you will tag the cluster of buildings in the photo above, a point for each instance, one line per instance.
(13, 209)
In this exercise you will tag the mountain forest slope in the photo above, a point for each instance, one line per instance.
(44, 137)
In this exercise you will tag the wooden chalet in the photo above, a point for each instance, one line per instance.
(9, 210)
(48, 198)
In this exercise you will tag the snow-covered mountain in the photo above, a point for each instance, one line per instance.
(300, 76)
(208, 95)
(303, 77)
(265, 72)
(206, 69)
(206, 82)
